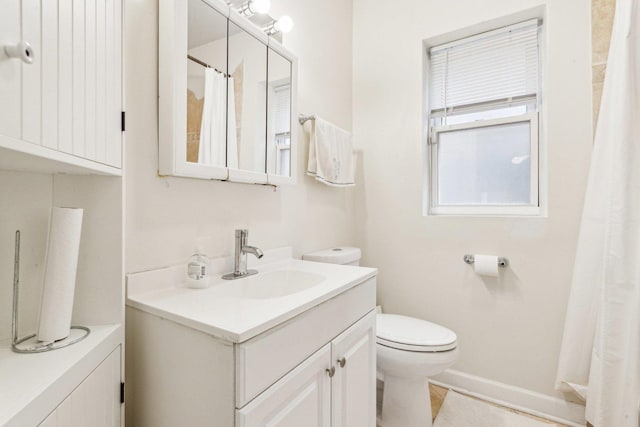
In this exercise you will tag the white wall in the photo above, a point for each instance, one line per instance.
(165, 215)
(26, 201)
(509, 330)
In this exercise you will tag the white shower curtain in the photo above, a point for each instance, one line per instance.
(213, 127)
(600, 354)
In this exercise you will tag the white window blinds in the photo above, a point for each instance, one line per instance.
(282, 111)
(496, 65)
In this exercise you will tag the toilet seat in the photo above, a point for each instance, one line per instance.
(411, 334)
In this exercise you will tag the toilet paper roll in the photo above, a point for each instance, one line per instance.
(485, 265)
(61, 264)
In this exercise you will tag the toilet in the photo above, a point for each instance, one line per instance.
(408, 352)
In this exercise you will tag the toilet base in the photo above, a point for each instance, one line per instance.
(406, 402)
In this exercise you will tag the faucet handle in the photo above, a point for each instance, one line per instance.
(242, 232)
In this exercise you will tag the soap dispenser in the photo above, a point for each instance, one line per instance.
(198, 269)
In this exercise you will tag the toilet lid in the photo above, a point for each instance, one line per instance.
(408, 333)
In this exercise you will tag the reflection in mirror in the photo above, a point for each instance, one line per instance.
(247, 100)
(279, 115)
(206, 85)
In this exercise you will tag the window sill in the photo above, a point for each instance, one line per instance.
(488, 211)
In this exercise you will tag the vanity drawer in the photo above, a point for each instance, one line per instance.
(263, 360)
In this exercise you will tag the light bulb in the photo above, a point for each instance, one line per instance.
(284, 24)
(259, 6)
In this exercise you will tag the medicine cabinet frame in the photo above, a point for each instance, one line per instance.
(172, 103)
(275, 179)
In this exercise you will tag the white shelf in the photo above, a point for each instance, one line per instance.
(18, 155)
(32, 385)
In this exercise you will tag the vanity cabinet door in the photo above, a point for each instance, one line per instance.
(301, 398)
(96, 401)
(354, 382)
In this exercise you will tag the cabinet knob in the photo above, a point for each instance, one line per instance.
(331, 371)
(22, 51)
(342, 362)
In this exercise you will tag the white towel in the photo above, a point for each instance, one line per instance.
(330, 154)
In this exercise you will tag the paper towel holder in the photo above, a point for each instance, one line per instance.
(30, 344)
(502, 261)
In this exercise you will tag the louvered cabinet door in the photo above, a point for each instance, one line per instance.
(96, 401)
(81, 78)
(10, 70)
(69, 97)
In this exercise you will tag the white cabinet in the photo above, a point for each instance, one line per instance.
(64, 102)
(316, 368)
(302, 398)
(334, 387)
(10, 75)
(354, 383)
(248, 137)
(95, 402)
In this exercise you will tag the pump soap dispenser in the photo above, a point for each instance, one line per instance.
(198, 269)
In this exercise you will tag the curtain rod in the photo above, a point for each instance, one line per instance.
(204, 64)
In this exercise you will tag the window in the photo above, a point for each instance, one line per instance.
(483, 103)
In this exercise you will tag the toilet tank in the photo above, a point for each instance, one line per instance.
(345, 255)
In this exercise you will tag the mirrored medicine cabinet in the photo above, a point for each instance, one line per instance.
(227, 95)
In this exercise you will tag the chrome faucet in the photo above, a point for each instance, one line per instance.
(240, 259)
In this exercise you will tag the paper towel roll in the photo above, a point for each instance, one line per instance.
(61, 264)
(485, 265)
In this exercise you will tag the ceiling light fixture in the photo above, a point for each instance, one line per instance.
(283, 25)
(255, 6)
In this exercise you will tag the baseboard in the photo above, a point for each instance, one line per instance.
(552, 408)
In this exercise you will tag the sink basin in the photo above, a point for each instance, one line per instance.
(274, 284)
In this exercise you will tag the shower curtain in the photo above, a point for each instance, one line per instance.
(600, 354)
(213, 128)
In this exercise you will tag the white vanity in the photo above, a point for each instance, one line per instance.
(291, 346)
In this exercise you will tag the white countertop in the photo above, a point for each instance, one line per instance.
(32, 385)
(236, 319)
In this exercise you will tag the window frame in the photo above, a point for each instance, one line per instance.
(494, 209)
(282, 146)
(538, 140)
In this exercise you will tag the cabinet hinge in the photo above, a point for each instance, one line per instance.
(122, 127)
(121, 392)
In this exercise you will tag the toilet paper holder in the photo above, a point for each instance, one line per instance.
(30, 344)
(502, 261)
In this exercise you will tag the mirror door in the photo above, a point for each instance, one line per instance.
(247, 122)
(226, 96)
(206, 85)
(279, 116)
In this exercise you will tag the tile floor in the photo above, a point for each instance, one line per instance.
(439, 393)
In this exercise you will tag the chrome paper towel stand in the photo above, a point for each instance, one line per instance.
(30, 344)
